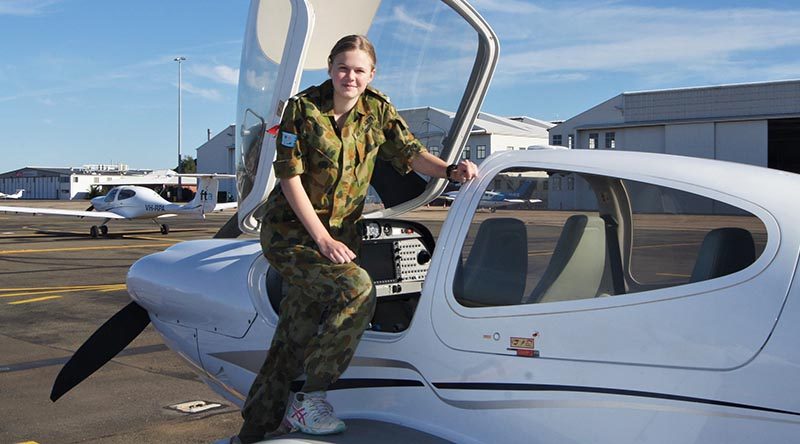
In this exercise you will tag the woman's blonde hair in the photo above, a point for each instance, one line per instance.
(351, 42)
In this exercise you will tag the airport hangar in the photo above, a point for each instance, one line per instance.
(489, 134)
(75, 183)
(752, 123)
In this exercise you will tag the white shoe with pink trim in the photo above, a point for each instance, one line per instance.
(312, 414)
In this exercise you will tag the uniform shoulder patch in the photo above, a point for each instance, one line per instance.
(288, 139)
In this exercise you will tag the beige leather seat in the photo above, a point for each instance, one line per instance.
(576, 268)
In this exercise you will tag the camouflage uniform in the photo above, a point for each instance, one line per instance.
(335, 167)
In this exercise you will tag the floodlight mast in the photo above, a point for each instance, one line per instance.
(180, 60)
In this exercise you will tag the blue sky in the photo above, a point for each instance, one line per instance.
(89, 81)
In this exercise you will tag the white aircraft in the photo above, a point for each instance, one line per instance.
(16, 195)
(660, 305)
(137, 202)
(492, 200)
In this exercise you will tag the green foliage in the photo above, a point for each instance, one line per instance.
(94, 191)
(188, 165)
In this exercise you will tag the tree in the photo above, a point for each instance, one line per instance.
(188, 165)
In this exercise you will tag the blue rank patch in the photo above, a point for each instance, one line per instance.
(288, 139)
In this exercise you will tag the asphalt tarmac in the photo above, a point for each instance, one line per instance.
(57, 286)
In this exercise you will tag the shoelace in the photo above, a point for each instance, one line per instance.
(320, 408)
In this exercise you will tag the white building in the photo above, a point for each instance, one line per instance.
(753, 123)
(218, 155)
(489, 133)
(76, 183)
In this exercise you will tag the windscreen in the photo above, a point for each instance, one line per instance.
(257, 76)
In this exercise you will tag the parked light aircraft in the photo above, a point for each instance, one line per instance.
(137, 202)
(493, 200)
(16, 195)
(660, 304)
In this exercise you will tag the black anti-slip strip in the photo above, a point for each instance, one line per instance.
(355, 383)
(603, 390)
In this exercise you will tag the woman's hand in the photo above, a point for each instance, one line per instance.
(336, 251)
(466, 170)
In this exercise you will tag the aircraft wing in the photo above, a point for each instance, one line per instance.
(58, 212)
(226, 206)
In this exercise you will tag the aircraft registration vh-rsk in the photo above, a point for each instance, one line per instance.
(137, 202)
(649, 298)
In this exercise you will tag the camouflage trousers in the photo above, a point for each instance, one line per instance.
(322, 317)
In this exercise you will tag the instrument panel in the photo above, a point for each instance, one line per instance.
(395, 255)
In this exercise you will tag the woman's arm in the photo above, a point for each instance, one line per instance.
(430, 165)
(297, 197)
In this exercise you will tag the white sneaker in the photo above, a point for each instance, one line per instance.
(310, 413)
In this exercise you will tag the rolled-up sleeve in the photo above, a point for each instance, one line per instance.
(289, 147)
(401, 146)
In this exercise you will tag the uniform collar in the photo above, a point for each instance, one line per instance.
(326, 104)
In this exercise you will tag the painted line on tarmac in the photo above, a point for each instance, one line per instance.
(28, 301)
(7, 368)
(674, 275)
(59, 287)
(34, 291)
(41, 294)
(684, 244)
(153, 239)
(52, 250)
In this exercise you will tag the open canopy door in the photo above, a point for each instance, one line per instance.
(435, 59)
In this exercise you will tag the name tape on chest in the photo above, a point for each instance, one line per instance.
(288, 139)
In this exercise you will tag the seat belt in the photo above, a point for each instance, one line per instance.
(612, 241)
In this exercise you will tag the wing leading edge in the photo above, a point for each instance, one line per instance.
(57, 212)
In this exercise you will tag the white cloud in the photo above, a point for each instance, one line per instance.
(206, 93)
(218, 73)
(25, 7)
(510, 6)
(647, 41)
(402, 16)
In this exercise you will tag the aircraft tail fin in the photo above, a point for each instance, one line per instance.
(205, 199)
(525, 190)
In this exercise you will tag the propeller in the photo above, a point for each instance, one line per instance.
(230, 230)
(91, 208)
(117, 332)
(101, 347)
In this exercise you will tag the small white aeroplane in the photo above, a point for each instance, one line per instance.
(492, 200)
(16, 195)
(659, 304)
(137, 202)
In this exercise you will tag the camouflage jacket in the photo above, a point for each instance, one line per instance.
(336, 166)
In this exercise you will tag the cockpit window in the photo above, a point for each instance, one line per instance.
(552, 236)
(111, 195)
(126, 193)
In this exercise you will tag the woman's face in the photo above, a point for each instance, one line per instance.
(351, 72)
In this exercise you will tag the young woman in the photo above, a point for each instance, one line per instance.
(329, 138)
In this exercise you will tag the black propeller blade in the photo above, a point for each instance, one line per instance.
(231, 228)
(101, 347)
